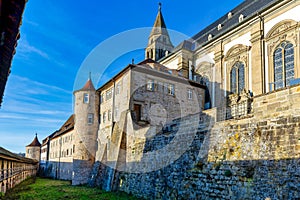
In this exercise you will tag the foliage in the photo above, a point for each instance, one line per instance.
(49, 189)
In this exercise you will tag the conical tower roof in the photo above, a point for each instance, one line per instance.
(88, 85)
(159, 26)
(35, 142)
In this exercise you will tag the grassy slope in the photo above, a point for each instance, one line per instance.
(53, 189)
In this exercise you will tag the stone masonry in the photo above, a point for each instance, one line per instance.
(254, 157)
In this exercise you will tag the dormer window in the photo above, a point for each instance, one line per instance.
(209, 37)
(229, 16)
(85, 98)
(220, 27)
(241, 18)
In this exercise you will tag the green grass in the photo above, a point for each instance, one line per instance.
(49, 189)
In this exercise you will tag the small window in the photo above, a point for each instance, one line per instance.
(90, 118)
(109, 115)
(86, 98)
(171, 89)
(108, 94)
(150, 85)
(104, 117)
(102, 98)
(118, 88)
(210, 36)
(190, 94)
(229, 16)
(116, 112)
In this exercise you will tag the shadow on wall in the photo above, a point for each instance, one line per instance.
(199, 157)
(56, 170)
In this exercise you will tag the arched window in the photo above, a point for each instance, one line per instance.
(283, 65)
(237, 78)
(205, 81)
(233, 82)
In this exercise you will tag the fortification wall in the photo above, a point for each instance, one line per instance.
(252, 158)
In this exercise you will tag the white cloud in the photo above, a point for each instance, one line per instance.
(30, 106)
(24, 48)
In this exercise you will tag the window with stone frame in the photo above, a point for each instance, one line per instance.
(150, 85)
(118, 88)
(283, 55)
(90, 118)
(85, 98)
(237, 78)
(116, 112)
(109, 94)
(283, 65)
(189, 94)
(109, 115)
(104, 117)
(102, 98)
(171, 89)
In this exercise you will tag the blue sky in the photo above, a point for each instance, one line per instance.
(57, 36)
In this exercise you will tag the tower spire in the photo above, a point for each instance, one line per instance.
(159, 43)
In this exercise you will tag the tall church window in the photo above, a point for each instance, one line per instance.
(205, 81)
(283, 65)
(237, 78)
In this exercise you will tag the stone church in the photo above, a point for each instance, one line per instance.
(234, 87)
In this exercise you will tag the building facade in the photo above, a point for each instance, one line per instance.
(237, 80)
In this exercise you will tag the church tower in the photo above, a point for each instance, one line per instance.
(33, 150)
(159, 44)
(86, 126)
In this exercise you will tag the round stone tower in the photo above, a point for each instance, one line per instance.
(86, 106)
(33, 150)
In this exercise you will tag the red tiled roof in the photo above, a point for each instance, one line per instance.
(88, 85)
(34, 143)
(66, 127)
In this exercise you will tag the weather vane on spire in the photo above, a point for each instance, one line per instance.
(90, 75)
(159, 6)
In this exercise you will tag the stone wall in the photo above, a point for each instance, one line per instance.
(254, 157)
